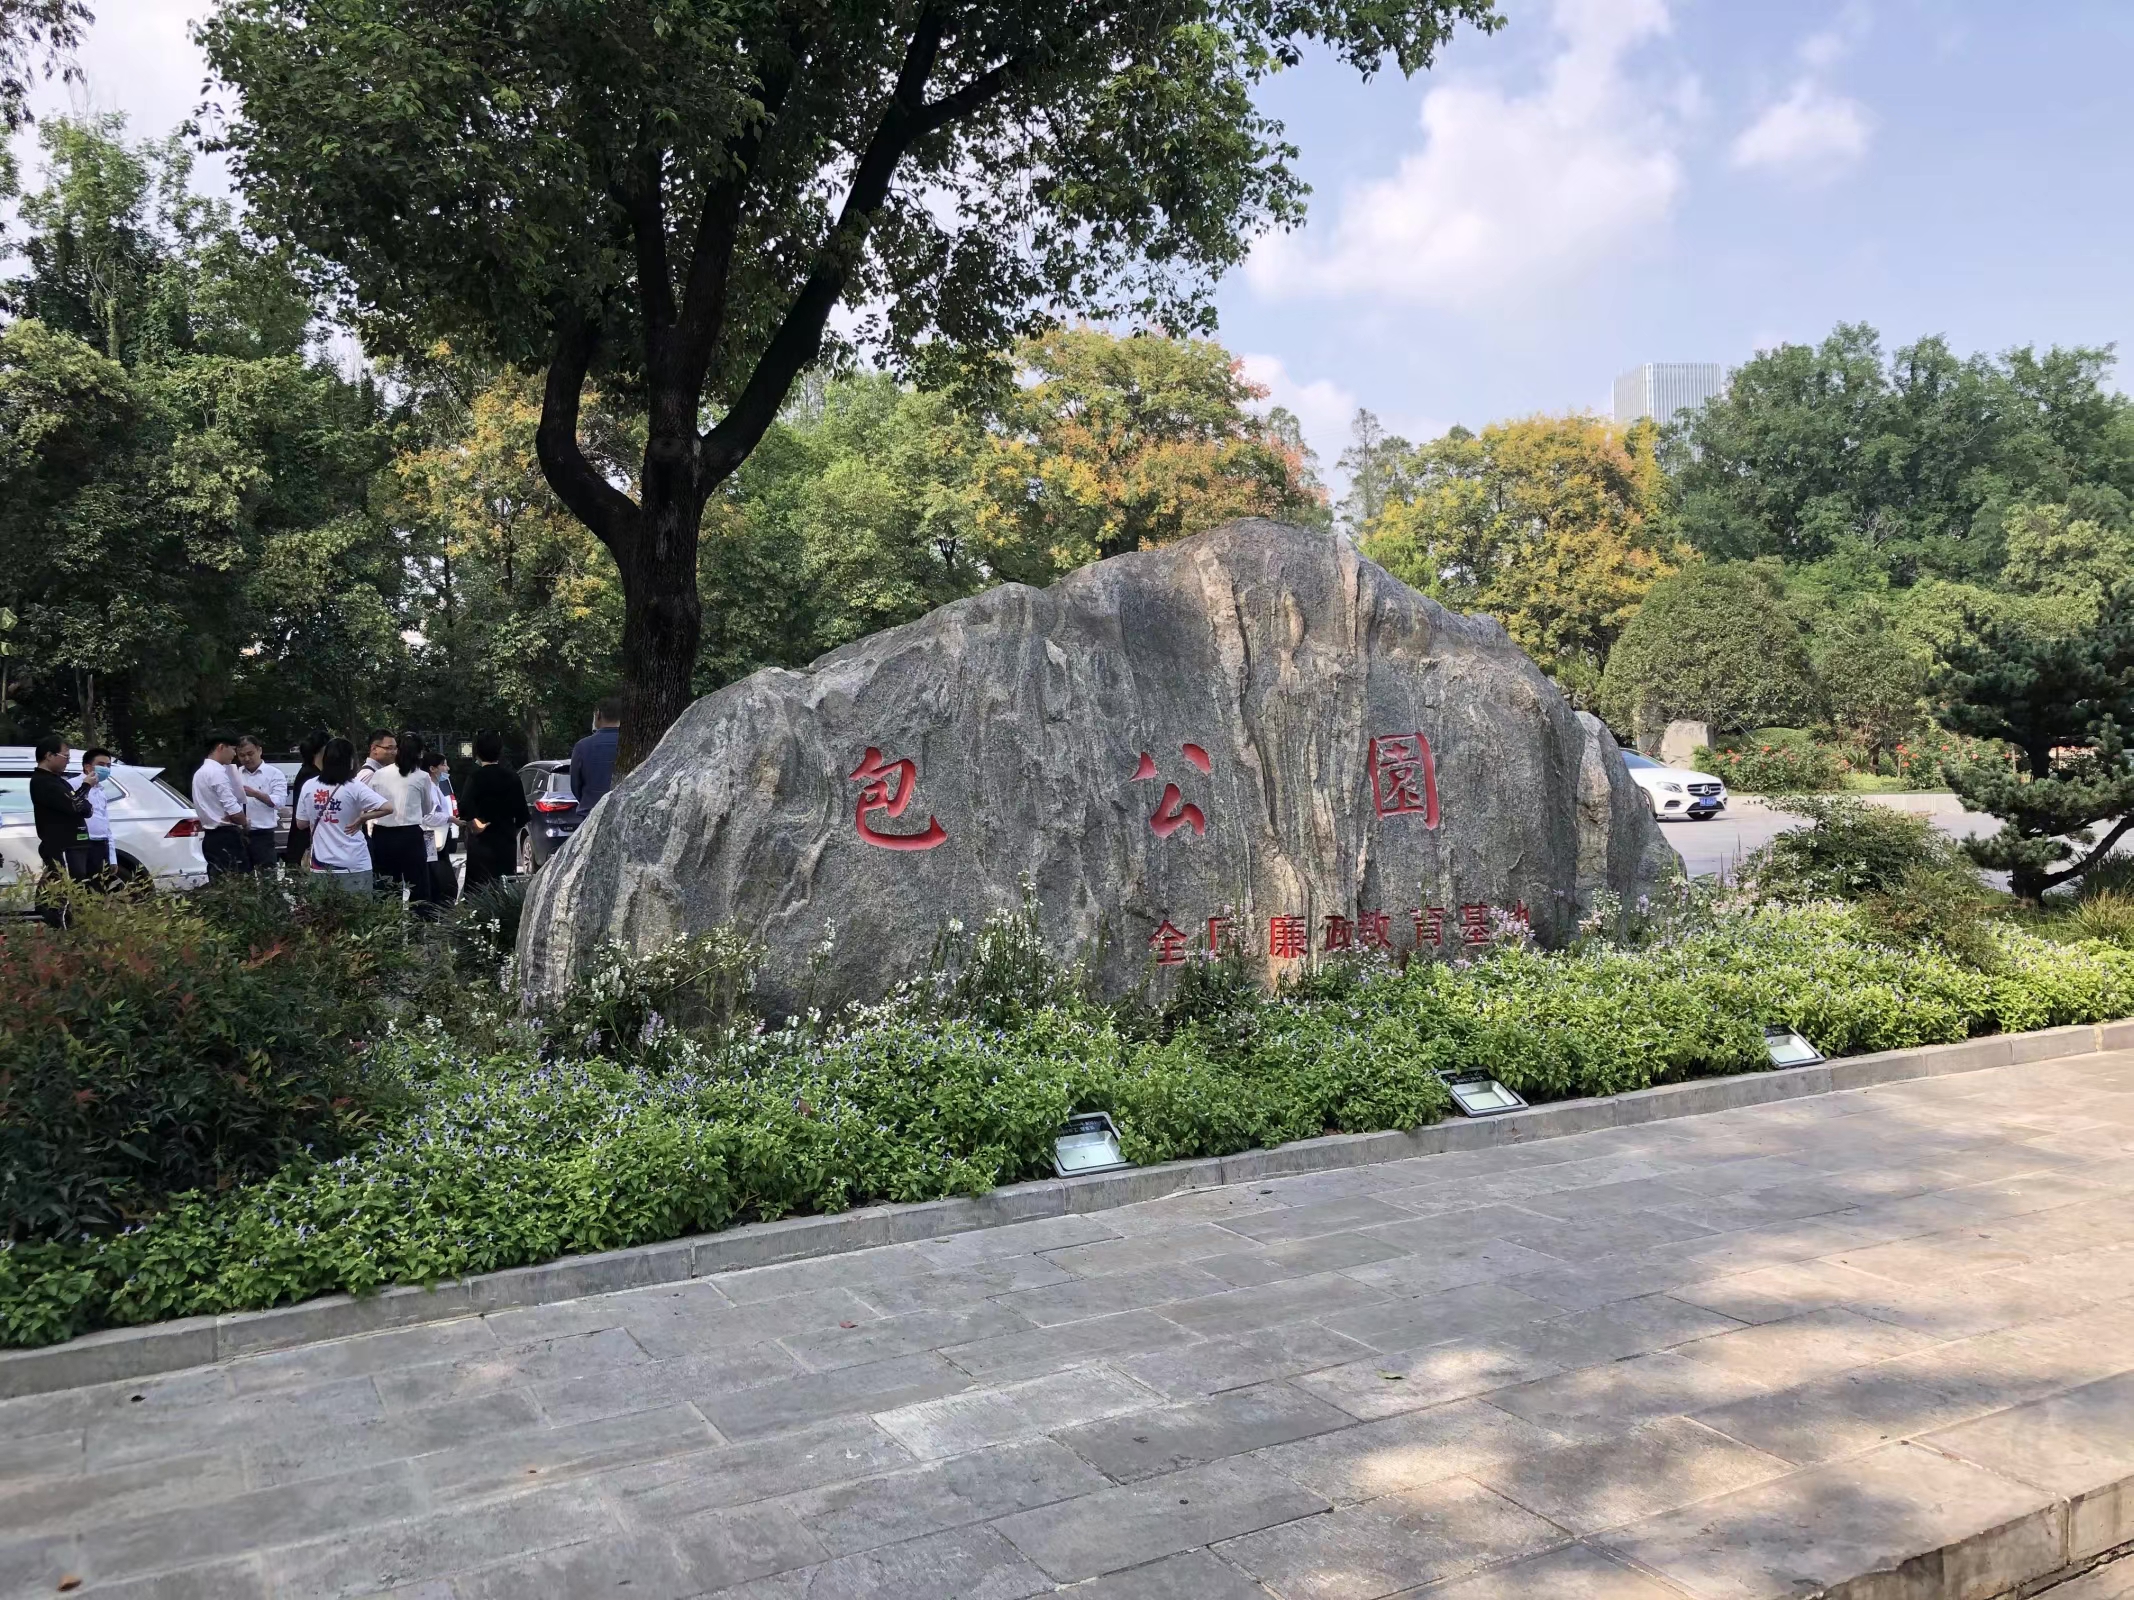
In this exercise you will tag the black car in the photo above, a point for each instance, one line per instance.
(552, 811)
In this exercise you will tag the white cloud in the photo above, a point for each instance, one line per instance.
(1509, 194)
(1323, 408)
(1812, 132)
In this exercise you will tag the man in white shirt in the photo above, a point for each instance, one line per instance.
(97, 788)
(266, 791)
(221, 810)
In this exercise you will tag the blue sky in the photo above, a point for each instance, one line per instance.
(1606, 182)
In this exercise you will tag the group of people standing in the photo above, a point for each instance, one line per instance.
(393, 820)
(389, 823)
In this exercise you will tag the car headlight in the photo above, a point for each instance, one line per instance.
(1672, 788)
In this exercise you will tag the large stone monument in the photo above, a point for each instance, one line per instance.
(1254, 739)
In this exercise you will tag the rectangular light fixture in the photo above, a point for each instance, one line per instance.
(1789, 1049)
(1479, 1095)
(1087, 1143)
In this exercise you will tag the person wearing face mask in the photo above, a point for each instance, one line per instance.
(96, 788)
(437, 827)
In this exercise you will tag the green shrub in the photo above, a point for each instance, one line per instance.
(159, 1046)
(1715, 643)
(2106, 915)
(520, 1152)
(1774, 768)
(1845, 849)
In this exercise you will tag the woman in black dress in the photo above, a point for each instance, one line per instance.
(494, 810)
(311, 751)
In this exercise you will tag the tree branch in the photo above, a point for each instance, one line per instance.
(2103, 849)
(798, 340)
(611, 514)
(645, 202)
(703, 315)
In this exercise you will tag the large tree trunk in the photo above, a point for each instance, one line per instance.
(662, 616)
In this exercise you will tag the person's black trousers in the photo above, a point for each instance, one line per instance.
(444, 880)
(61, 868)
(396, 856)
(227, 855)
(491, 854)
(259, 849)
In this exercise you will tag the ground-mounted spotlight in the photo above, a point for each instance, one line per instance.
(1087, 1143)
(1789, 1049)
(1479, 1095)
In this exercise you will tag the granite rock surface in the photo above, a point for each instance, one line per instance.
(1254, 737)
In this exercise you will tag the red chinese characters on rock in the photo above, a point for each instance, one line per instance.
(1404, 777)
(1288, 938)
(1174, 810)
(887, 786)
(1169, 943)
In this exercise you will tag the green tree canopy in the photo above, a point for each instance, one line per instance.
(676, 195)
(870, 502)
(183, 486)
(35, 36)
(1914, 461)
(1714, 643)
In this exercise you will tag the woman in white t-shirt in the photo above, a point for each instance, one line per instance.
(395, 771)
(336, 804)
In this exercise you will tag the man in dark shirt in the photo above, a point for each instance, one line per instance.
(59, 827)
(593, 758)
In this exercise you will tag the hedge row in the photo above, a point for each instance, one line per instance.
(513, 1157)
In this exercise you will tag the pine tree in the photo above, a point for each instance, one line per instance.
(2064, 701)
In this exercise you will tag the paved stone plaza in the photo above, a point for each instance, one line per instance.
(1736, 1356)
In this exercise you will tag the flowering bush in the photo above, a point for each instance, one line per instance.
(519, 1152)
(1920, 763)
(1774, 768)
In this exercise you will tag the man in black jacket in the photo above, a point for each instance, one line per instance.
(60, 837)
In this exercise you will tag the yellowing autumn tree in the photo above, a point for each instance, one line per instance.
(1555, 526)
(520, 609)
(1113, 444)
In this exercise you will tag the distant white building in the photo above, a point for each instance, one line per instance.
(1659, 389)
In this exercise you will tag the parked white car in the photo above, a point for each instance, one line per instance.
(1673, 793)
(152, 824)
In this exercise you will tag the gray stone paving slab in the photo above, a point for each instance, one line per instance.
(1011, 1356)
(1719, 1357)
(1145, 1444)
(965, 1422)
(888, 1509)
(963, 1564)
(2112, 1581)
(1209, 1366)
(1396, 1542)
(1299, 1258)
(1125, 1527)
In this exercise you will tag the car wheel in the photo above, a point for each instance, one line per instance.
(132, 874)
(526, 860)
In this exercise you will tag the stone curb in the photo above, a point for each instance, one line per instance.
(198, 1341)
(2029, 1554)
